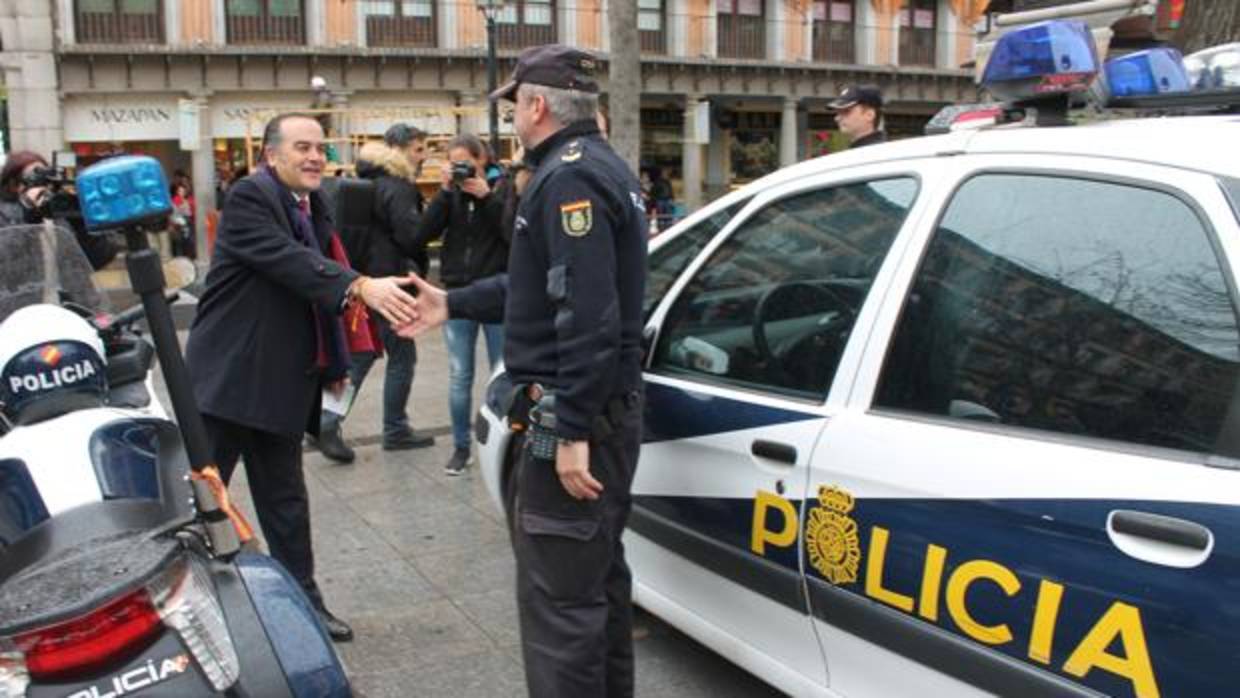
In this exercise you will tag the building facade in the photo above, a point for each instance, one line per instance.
(731, 88)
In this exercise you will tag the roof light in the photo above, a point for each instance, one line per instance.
(1214, 68)
(128, 190)
(1146, 73)
(1042, 59)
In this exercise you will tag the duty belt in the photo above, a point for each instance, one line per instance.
(526, 395)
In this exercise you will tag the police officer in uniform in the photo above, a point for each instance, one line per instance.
(859, 114)
(571, 307)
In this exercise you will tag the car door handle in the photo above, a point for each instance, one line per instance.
(1162, 540)
(774, 450)
(1163, 529)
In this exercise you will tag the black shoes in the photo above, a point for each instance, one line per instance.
(458, 462)
(337, 630)
(406, 441)
(332, 445)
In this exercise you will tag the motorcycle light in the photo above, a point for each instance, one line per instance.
(180, 598)
(91, 641)
(187, 604)
(128, 190)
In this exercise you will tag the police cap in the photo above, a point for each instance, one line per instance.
(553, 65)
(867, 95)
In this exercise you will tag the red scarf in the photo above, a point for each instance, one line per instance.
(361, 333)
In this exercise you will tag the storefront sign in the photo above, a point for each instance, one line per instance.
(233, 115)
(109, 118)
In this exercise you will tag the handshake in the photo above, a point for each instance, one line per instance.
(410, 315)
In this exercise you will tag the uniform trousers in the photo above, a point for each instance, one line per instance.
(273, 469)
(574, 589)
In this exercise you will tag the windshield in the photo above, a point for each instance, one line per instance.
(44, 264)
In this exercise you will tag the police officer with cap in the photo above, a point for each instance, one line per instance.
(859, 113)
(571, 306)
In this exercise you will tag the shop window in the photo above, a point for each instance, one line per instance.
(651, 25)
(741, 29)
(918, 23)
(400, 22)
(119, 21)
(834, 34)
(526, 23)
(265, 21)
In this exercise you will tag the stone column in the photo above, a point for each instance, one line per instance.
(788, 132)
(35, 110)
(339, 100)
(691, 157)
(202, 173)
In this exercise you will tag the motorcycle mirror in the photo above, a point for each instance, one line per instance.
(179, 272)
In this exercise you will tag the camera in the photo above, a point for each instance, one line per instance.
(461, 171)
(55, 202)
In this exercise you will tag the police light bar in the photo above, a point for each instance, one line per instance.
(1041, 60)
(1214, 68)
(1144, 73)
(124, 191)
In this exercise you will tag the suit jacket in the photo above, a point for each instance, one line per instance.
(253, 347)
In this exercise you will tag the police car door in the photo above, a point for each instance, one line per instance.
(1033, 490)
(748, 344)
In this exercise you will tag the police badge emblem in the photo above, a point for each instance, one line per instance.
(831, 537)
(577, 217)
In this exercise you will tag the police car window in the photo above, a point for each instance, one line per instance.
(667, 262)
(774, 305)
(1069, 305)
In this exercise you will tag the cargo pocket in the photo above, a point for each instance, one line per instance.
(566, 558)
(561, 542)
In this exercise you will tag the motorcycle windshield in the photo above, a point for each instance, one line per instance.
(43, 263)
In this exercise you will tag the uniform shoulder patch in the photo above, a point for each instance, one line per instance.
(577, 217)
(572, 153)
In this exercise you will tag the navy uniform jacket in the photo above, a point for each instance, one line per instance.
(253, 346)
(572, 299)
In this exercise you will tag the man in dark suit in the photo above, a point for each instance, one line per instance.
(268, 336)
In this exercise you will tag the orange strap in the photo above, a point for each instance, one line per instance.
(211, 476)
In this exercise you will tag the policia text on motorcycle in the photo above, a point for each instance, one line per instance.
(571, 307)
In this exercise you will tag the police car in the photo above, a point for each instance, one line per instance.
(957, 415)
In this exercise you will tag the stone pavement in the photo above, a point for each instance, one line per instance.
(419, 564)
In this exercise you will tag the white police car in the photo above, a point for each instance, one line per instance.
(952, 416)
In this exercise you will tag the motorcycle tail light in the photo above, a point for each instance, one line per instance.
(180, 598)
(186, 602)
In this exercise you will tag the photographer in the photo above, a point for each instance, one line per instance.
(468, 216)
(31, 191)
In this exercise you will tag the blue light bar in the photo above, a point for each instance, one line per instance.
(123, 191)
(1041, 59)
(1146, 73)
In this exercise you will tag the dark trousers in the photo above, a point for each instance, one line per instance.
(402, 356)
(574, 589)
(278, 488)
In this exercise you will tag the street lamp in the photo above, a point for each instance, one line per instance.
(489, 9)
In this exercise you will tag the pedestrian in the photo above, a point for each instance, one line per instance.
(267, 338)
(859, 114)
(387, 248)
(571, 305)
(184, 212)
(467, 214)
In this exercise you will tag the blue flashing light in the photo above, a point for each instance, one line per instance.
(123, 191)
(1049, 57)
(1146, 73)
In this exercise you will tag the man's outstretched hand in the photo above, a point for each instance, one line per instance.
(386, 296)
(430, 308)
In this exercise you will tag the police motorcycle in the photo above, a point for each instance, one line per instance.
(124, 569)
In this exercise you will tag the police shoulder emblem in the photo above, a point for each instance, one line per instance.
(572, 153)
(577, 217)
(831, 537)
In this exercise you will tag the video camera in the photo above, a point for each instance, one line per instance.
(461, 171)
(57, 201)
